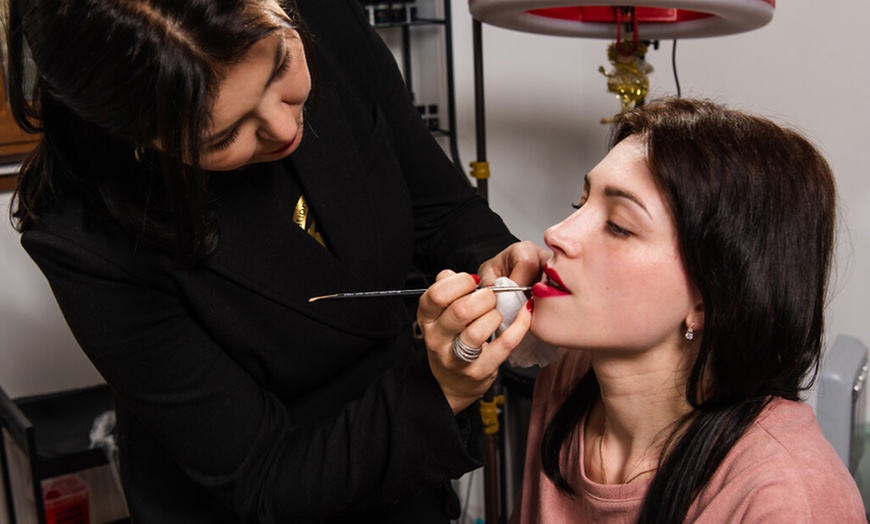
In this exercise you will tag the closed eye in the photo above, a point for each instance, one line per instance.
(618, 231)
(285, 66)
(226, 142)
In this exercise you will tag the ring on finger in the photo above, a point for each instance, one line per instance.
(465, 352)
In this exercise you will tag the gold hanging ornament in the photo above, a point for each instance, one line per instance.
(628, 77)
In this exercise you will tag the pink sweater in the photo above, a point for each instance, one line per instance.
(781, 471)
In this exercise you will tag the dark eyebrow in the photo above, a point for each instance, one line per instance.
(281, 55)
(277, 64)
(610, 191)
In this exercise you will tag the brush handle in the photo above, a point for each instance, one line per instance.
(407, 292)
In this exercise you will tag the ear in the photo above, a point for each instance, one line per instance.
(696, 317)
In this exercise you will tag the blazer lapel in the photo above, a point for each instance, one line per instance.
(263, 250)
(334, 182)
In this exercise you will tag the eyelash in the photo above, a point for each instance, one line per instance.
(285, 65)
(226, 142)
(618, 231)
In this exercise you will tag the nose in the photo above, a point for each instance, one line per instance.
(565, 237)
(278, 123)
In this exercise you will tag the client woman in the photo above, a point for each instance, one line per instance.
(687, 292)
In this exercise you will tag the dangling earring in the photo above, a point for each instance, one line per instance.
(139, 153)
(690, 333)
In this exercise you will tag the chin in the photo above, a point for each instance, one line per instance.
(538, 330)
(556, 333)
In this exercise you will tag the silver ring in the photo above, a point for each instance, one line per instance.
(465, 352)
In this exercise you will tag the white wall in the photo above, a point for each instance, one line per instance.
(37, 352)
(544, 101)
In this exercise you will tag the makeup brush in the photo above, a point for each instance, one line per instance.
(407, 293)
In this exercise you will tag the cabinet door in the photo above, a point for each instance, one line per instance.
(14, 143)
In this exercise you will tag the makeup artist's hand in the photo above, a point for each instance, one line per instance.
(453, 307)
(522, 262)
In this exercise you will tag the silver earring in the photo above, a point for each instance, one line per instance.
(690, 333)
(139, 153)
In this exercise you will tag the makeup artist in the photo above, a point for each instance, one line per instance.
(205, 168)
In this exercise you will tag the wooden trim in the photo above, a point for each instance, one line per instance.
(14, 142)
(7, 183)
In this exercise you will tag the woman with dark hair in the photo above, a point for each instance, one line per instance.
(687, 293)
(184, 223)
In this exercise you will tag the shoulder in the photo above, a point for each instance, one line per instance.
(784, 469)
(334, 22)
(787, 432)
(347, 53)
(72, 236)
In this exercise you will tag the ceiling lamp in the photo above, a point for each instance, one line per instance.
(633, 26)
(657, 19)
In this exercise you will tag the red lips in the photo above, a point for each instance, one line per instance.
(554, 286)
(282, 148)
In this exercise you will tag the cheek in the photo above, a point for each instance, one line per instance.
(632, 300)
(669, 281)
(660, 299)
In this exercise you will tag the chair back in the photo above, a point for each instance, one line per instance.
(17, 430)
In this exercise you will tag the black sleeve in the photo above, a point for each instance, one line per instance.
(454, 226)
(229, 434)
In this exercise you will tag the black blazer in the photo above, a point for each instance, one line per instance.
(240, 401)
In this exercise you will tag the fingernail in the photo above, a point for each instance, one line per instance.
(476, 279)
(530, 305)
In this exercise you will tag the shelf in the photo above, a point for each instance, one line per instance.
(411, 23)
(423, 14)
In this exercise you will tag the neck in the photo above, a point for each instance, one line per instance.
(640, 404)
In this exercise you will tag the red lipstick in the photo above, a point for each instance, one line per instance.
(282, 148)
(553, 287)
